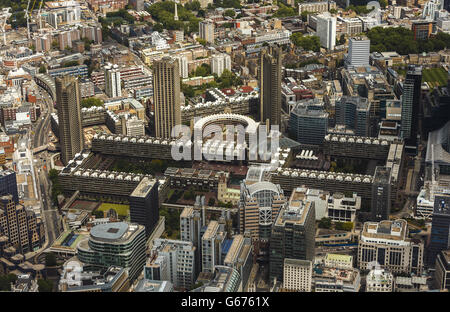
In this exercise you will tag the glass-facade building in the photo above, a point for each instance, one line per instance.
(308, 124)
(118, 243)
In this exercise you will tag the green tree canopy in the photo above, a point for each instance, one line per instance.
(50, 259)
(6, 281)
(285, 11)
(89, 102)
(193, 5)
(45, 285)
(401, 40)
(163, 12)
(309, 43)
(325, 223)
(229, 13)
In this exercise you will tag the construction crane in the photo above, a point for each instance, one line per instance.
(28, 15)
(39, 15)
(4, 16)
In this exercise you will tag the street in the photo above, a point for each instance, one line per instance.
(50, 215)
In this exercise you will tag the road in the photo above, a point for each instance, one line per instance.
(50, 215)
(42, 126)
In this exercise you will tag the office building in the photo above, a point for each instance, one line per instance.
(387, 243)
(115, 244)
(80, 71)
(144, 204)
(358, 51)
(191, 231)
(68, 99)
(145, 285)
(174, 261)
(183, 65)
(43, 43)
(75, 278)
(212, 241)
(113, 86)
(258, 208)
(411, 110)
(353, 112)
(342, 208)
(313, 7)
(308, 124)
(138, 5)
(8, 184)
(440, 226)
(20, 225)
(220, 62)
(65, 40)
(269, 77)
(166, 96)
(206, 30)
(224, 279)
(240, 257)
(330, 278)
(293, 234)
(135, 127)
(379, 280)
(381, 194)
(422, 29)
(442, 270)
(326, 30)
(297, 275)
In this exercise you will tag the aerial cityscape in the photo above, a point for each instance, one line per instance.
(199, 146)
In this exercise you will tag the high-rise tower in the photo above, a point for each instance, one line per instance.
(166, 95)
(270, 85)
(411, 109)
(69, 115)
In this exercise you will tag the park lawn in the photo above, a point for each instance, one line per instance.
(122, 210)
(435, 76)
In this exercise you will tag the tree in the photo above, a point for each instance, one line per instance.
(284, 11)
(50, 259)
(325, 223)
(45, 285)
(6, 281)
(309, 43)
(42, 69)
(87, 44)
(333, 11)
(229, 13)
(193, 6)
(158, 27)
(211, 201)
(201, 41)
(69, 64)
(197, 285)
(383, 3)
(188, 90)
(53, 175)
(203, 70)
(89, 102)
(98, 214)
(304, 15)
(344, 226)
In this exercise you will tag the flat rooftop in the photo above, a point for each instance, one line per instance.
(144, 187)
(391, 230)
(337, 257)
